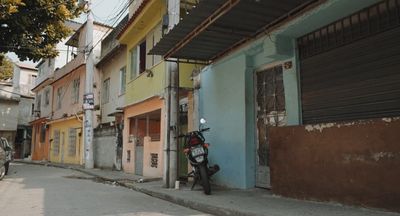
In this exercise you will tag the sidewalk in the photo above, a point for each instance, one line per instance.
(223, 201)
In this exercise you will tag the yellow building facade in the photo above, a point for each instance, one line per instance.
(66, 141)
(146, 84)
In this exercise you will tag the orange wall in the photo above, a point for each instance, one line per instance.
(136, 110)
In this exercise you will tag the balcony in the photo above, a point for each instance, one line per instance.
(70, 66)
(145, 86)
(152, 82)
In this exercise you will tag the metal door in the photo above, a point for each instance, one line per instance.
(350, 68)
(139, 156)
(270, 105)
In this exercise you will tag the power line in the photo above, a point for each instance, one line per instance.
(115, 22)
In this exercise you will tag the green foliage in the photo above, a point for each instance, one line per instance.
(32, 28)
(6, 67)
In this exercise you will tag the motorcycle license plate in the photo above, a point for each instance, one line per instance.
(197, 151)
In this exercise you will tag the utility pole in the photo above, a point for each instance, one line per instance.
(88, 98)
(172, 106)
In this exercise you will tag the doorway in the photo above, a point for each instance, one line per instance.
(270, 112)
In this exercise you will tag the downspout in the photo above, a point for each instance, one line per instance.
(167, 148)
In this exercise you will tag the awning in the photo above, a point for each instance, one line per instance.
(216, 26)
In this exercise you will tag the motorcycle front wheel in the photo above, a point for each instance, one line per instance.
(205, 181)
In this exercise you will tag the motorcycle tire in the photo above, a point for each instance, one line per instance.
(205, 181)
(2, 172)
(7, 165)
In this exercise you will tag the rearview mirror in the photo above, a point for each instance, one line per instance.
(203, 121)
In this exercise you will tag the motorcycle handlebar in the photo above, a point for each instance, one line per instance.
(205, 129)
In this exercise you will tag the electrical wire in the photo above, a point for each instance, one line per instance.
(122, 12)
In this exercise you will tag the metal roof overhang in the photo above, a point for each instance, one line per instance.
(216, 26)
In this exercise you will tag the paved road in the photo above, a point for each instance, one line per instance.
(37, 190)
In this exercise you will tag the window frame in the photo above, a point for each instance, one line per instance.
(75, 90)
(133, 58)
(42, 135)
(72, 139)
(106, 91)
(122, 80)
(59, 97)
(46, 97)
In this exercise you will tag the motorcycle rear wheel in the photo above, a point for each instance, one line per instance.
(205, 181)
(7, 166)
(2, 172)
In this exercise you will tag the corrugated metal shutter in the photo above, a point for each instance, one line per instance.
(351, 69)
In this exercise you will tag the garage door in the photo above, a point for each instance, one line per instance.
(350, 69)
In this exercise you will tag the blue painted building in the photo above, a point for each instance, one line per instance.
(318, 82)
(227, 94)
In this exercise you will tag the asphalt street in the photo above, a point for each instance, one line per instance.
(38, 190)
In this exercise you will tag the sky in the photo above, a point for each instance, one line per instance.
(103, 11)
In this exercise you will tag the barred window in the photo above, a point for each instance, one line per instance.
(75, 91)
(56, 142)
(72, 142)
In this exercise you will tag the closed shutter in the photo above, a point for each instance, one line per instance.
(350, 69)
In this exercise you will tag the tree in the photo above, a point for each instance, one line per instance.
(32, 28)
(6, 67)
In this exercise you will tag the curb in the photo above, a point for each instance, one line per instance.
(206, 208)
(203, 207)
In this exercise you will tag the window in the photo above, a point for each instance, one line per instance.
(133, 61)
(32, 79)
(128, 156)
(75, 91)
(40, 71)
(151, 40)
(33, 108)
(72, 142)
(38, 102)
(56, 142)
(142, 57)
(59, 97)
(42, 133)
(122, 80)
(47, 97)
(138, 60)
(106, 91)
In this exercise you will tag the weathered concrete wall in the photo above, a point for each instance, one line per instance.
(105, 145)
(354, 163)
